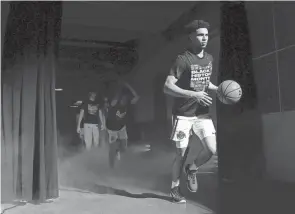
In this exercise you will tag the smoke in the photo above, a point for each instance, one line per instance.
(139, 169)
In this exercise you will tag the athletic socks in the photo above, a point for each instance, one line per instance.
(193, 166)
(175, 184)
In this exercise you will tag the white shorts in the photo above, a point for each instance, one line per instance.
(117, 135)
(91, 135)
(183, 127)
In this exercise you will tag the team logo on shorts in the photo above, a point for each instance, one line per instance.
(180, 135)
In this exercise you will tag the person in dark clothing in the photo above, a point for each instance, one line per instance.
(117, 118)
(93, 120)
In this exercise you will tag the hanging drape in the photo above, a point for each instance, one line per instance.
(239, 133)
(29, 144)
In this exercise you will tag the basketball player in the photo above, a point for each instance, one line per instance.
(93, 120)
(189, 81)
(116, 120)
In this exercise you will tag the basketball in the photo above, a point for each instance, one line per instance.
(229, 92)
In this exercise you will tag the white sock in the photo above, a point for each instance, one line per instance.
(175, 184)
(193, 166)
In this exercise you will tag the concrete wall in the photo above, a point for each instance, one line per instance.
(273, 46)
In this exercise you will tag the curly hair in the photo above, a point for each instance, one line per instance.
(196, 24)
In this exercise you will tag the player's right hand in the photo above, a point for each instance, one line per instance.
(78, 130)
(203, 98)
(114, 102)
(102, 127)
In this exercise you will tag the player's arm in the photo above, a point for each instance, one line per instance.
(134, 94)
(80, 119)
(107, 105)
(172, 89)
(212, 87)
(102, 119)
(114, 100)
(170, 86)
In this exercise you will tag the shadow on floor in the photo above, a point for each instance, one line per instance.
(14, 205)
(100, 189)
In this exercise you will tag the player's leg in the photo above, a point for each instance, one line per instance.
(113, 147)
(205, 130)
(87, 136)
(95, 132)
(205, 154)
(180, 135)
(123, 137)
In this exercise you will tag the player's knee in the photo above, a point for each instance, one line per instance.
(210, 142)
(213, 149)
(210, 154)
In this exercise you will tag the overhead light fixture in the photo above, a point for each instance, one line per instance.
(58, 89)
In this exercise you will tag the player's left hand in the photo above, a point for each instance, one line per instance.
(114, 102)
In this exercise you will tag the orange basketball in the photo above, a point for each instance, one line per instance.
(229, 92)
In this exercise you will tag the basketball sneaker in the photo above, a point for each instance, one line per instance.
(176, 195)
(191, 180)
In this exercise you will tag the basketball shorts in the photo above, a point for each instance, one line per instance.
(91, 135)
(184, 127)
(117, 135)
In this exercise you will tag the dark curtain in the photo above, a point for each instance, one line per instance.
(29, 144)
(239, 126)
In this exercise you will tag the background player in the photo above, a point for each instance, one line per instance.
(93, 119)
(117, 118)
(189, 82)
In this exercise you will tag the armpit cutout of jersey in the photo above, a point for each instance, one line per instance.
(200, 76)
